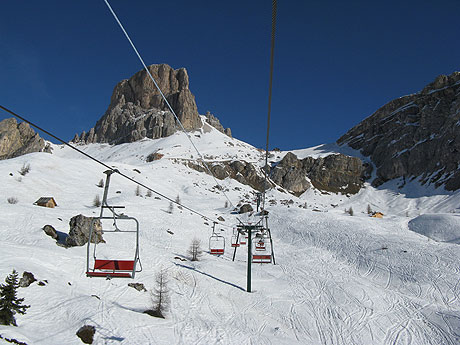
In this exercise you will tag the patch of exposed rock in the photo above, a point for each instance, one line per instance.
(334, 173)
(214, 121)
(415, 136)
(18, 139)
(137, 109)
(241, 171)
(79, 231)
(27, 279)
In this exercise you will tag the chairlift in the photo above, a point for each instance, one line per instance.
(99, 264)
(260, 245)
(235, 242)
(216, 243)
(263, 255)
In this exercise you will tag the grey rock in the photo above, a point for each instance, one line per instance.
(18, 139)
(79, 231)
(214, 121)
(26, 279)
(414, 136)
(50, 231)
(137, 286)
(334, 173)
(137, 109)
(241, 171)
(245, 209)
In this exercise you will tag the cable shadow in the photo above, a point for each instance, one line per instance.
(210, 276)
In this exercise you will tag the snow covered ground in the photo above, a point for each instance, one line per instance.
(337, 280)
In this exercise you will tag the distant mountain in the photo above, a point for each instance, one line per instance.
(414, 136)
(137, 109)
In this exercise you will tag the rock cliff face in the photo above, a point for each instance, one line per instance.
(18, 139)
(334, 173)
(137, 109)
(415, 136)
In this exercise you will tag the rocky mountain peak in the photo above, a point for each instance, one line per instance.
(18, 139)
(415, 136)
(138, 110)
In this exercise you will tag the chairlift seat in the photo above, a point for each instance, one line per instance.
(261, 259)
(112, 268)
(217, 251)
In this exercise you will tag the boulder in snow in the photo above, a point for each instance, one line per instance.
(79, 231)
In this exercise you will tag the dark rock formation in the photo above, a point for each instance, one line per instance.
(241, 171)
(50, 231)
(86, 334)
(334, 173)
(214, 121)
(137, 286)
(137, 109)
(415, 136)
(18, 139)
(245, 208)
(26, 279)
(79, 231)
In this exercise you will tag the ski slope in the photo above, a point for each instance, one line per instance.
(337, 280)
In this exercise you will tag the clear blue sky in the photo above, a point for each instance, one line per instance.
(336, 62)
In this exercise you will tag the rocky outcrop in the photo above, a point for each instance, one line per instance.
(214, 121)
(27, 279)
(241, 171)
(79, 231)
(18, 139)
(137, 109)
(415, 136)
(335, 173)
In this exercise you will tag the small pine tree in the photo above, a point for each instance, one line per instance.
(10, 304)
(195, 249)
(178, 202)
(149, 193)
(138, 191)
(160, 295)
(25, 169)
(96, 201)
(101, 183)
(369, 209)
(171, 207)
(226, 204)
(350, 211)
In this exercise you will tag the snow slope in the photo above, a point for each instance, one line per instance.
(337, 280)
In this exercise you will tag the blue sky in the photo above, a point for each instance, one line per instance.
(336, 62)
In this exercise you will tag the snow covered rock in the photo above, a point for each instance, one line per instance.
(415, 135)
(79, 231)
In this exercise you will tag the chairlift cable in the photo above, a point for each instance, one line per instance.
(109, 167)
(166, 101)
(269, 97)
